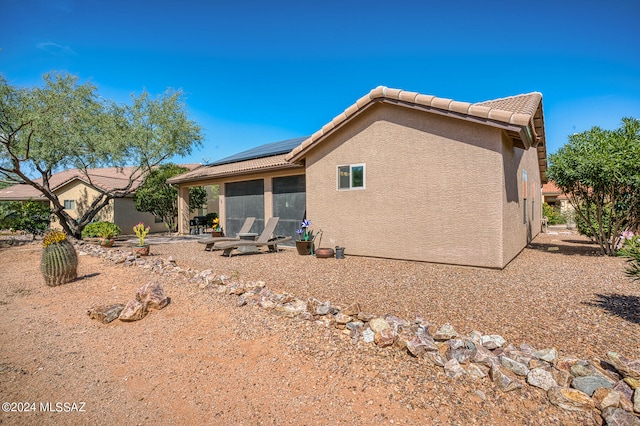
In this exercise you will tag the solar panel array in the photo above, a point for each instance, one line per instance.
(266, 150)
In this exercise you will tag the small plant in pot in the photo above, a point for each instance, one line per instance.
(105, 231)
(141, 248)
(304, 243)
(216, 229)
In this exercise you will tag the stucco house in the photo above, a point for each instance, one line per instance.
(76, 192)
(554, 196)
(403, 175)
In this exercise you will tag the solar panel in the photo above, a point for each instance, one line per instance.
(266, 150)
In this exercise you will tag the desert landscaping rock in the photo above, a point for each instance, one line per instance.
(541, 378)
(633, 383)
(570, 399)
(152, 295)
(604, 398)
(379, 324)
(589, 384)
(619, 417)
(515, 366)
(504, 381)
(628, 367)
(105, 313)
(493, 341)
(445, 332)
(453, 369)
(548, 355)
(133, 311)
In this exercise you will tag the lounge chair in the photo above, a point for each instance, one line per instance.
(263, 240)
(210, 242)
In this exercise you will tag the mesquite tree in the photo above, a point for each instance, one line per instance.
(160, 198)
(64, 124)
(599, 171)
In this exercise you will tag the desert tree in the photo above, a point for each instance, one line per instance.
(64, 125)
(599, 171)
(160, 198)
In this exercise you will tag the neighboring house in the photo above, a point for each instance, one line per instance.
(553, 196)
(406, 176)
(76, 193)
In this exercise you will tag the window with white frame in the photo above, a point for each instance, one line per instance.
(351, 176)
(69, 204)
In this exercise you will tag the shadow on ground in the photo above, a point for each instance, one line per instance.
(568, 247)
(623, 306)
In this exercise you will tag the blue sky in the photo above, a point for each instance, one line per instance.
(255, 72)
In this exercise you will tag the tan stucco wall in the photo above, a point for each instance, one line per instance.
(121, 211)
(126, 217)
(429, 196)
(516, 233)
(83, 196)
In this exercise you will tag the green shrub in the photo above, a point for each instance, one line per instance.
(631, 250)
(587, 229)
(101, 230)
(553, 214)
(32, 217)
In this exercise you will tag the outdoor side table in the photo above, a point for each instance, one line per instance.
(250, 236)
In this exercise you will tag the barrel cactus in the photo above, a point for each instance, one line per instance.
(59, 263)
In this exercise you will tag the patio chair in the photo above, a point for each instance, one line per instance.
(263, 240)
(210, 242)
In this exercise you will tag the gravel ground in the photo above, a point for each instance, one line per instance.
(558, 292)
(204, 360)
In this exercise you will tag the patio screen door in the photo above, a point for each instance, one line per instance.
(289, 204)
(244, 199)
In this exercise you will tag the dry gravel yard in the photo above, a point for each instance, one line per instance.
(571, 298)
(203, 360)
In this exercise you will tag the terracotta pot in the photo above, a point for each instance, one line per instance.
(324, 252)
(217, 234)
(107, 242)
(304, 247)
(141, 250)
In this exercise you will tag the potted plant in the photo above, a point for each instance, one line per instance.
(216, 229)
(141, 248)
(304, 243)
(107, 231)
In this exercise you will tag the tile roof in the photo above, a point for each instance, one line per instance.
(274, 162)
(520, 116)
(106, 179)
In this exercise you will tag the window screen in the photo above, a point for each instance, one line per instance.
(244, 199)
(289, 204)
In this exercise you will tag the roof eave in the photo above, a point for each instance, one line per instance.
(196, 179)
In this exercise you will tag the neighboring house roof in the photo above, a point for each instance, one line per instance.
(103, 179)
(550, 189)
(519, 116)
